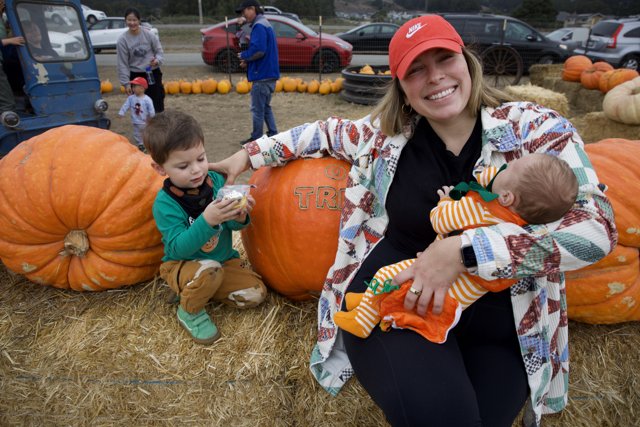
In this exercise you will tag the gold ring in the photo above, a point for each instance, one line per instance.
(415, 291)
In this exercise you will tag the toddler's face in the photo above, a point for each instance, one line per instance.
(138, 90)
(187, 168)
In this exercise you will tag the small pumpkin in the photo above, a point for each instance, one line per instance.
(293, 236)
(279, 85)
(75, 210)
(590, 78)
(173, 87)
(313, 86)
(622, 103)
(224, 86)
(185, 87)
(290, 85)
(242, 87)
(607, 291)
(196, 86)
(325, 88)
(613, 78)
(574, 66)
(209, 86)
(106, 86)
(302, 87)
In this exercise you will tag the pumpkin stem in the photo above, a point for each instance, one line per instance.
(635, 90)
(76, 243)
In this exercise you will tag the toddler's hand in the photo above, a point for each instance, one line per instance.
(220, 211)
(242, 216)
(444, 192)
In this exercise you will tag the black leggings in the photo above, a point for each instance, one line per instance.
(476, 378)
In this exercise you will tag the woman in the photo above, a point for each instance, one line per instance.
(437, 123)
(140, 54)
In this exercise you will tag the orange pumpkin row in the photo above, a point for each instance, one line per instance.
(599, 75)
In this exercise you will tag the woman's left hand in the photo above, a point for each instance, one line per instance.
(433, 272)
(154, 62)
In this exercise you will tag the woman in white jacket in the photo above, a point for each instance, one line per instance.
(437, 123)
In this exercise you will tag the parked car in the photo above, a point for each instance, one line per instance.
(370, 37)
(92, 15)
(298, 46)
(104, 33)
(272, 10)
(572, 37)
(616, 41)
(484, 31)
(67, 46)
(61, 15)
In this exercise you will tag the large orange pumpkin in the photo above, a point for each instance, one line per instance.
(573, 67)
(293, 236)
(607, 291)
(75, 210)
(611, 160)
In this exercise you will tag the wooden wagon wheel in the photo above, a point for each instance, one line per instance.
(502, 66)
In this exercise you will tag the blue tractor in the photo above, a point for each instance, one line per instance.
(54, 77)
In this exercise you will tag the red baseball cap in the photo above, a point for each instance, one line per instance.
(140, 81)
(418, 35)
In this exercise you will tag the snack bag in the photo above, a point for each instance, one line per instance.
(237, 192)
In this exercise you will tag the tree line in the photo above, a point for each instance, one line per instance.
(519, 8)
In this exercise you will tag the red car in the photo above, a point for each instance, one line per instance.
(298, 46)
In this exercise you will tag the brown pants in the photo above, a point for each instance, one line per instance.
(197, 282)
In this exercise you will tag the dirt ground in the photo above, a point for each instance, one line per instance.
(226, 119)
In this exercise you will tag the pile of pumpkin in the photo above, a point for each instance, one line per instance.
(60, 226)
(210, 86)
(621, 86)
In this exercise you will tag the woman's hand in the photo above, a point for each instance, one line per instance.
(232, 166)
(433, 272)
(15, 41)
(128, 90)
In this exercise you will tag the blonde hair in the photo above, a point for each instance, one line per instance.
(390, 110)
(546, 189)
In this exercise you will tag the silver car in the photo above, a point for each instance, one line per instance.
(616, 41)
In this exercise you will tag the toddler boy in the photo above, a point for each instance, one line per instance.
(141, 107)
(200, 263)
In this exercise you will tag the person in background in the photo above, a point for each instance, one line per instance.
(263, 69)
(39, 48)
(140, 54)
(7, 100)
(437, 123)
(141, 108)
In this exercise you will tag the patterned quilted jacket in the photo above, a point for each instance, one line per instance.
(537, 254)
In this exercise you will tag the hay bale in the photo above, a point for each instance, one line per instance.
(539, 72)
(119, 357)
(588, 100)
(545, 97)
(595, 126)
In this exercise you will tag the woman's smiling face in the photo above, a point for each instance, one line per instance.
(437, 85)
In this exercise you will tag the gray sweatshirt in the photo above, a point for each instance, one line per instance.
(135, 53)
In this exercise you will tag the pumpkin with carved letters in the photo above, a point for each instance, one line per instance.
(75, 210)
(293, 236)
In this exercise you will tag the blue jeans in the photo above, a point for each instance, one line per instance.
(261, 112)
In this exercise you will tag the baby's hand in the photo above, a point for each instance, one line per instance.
(220, 211)
(444, 192)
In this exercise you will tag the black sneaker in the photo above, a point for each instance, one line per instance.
(244, 141)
